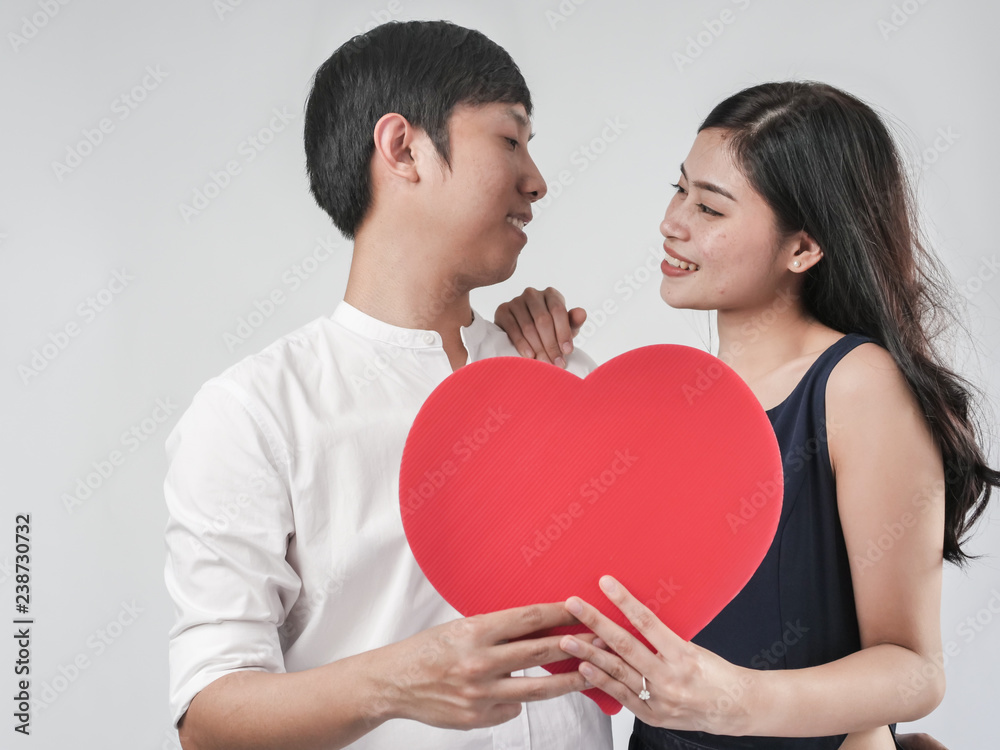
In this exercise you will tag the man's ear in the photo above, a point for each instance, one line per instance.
(394, 136)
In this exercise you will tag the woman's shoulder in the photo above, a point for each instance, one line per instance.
(870, 406)
(867, 372)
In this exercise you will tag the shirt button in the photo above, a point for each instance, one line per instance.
(428, 338)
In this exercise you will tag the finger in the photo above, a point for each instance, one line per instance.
(509, 624)
(606, 661)
(504, 318)
(545, 323)
(663, 639)
(520, 307)
(577, 317)
(617, 690)
(526, 689)
(532, 652)
(556, 305)
(614, 635)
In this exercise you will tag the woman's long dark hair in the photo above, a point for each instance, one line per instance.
(826, 164)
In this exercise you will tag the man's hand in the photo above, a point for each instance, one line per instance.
(539, 326)
(457, 675)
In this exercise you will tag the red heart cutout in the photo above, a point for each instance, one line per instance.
(521, 483)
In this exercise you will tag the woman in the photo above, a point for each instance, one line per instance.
(792, 218)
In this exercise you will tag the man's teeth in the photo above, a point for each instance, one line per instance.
(516, 222)
(684, 265)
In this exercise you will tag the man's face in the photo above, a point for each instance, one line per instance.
(477, 207)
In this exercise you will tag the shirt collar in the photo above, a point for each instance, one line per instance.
(414, 338)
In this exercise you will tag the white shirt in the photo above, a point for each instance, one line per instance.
(285, 546)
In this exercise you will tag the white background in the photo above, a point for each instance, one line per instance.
(63, 234)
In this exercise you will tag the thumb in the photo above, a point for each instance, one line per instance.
(577, 317)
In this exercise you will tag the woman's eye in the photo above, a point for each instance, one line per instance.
(707, 210)
(678, 188)
(512, 142)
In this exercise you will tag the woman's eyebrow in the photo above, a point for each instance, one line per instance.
(710, 187)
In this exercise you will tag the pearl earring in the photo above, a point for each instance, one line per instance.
(796, 264)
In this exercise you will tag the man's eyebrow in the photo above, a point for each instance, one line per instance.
(520, 119)
(712, 188)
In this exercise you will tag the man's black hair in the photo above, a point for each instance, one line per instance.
(418, 69)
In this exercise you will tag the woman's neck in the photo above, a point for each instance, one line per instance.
(755, 342)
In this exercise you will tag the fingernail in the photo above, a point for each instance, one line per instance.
(587, 685)
(561, 362)
(609, 585)
(567, 347)
(570, 644)
(598, 643)
(586, 670)
(574, 606)
(526, 353)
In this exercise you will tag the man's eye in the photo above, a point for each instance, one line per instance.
(512, 142)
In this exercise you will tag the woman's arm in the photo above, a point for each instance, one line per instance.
(890, 494)
(539, 325)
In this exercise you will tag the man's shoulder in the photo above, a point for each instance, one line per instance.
(497, 344)
(297, 351)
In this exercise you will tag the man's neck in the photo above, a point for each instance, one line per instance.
(405, 292)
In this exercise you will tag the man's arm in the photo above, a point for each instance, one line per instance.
(455, 675)
(230, 522)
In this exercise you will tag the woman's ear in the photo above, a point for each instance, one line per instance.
(804, 253)
(394, 137)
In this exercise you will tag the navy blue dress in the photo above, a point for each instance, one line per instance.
(798, 608)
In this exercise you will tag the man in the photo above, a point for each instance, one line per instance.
(302, 618)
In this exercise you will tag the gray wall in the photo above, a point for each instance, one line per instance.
(100, 243)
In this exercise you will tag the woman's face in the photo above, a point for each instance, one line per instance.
(717, 222)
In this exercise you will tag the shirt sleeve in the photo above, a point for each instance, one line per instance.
(228, 528)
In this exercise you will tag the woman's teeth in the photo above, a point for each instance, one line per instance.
(683, 265)
(516, 222)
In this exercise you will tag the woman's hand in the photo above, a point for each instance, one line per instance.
(689, 687)
(539, 326)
